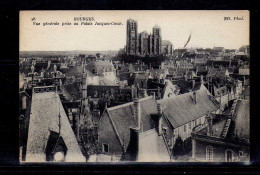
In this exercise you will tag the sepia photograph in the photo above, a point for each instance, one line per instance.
(134, 86)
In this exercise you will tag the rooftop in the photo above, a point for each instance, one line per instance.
(182, 109)
(43, 119)
(122, 117)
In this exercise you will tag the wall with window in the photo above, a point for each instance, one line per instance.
(184, 131)
(107, 137)
(220, 153)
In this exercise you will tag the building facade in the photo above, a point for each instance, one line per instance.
(143, 43)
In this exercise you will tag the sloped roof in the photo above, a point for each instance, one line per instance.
(152, 147)
(73, 90)
(122, 117)
(73, 71)
(43, 119)
(182, 109)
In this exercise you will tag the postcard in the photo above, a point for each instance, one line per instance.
(134, 86)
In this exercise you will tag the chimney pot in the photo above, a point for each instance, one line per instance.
(137, 112)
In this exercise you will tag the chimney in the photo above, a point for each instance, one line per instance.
(185, 77)
(137, 112)
(193, 84)
(133, 146)
(201, 79)
(195, 96)
(154, 96)
(209, 119)
(159, 93)
(133, 91)
(159, 119)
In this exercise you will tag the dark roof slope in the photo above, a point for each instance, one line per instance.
(122, 117)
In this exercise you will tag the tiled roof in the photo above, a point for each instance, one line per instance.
(182, 109)
(122, 117)
(217, 128)
(74, 71)
(43, 119)
(73, 90)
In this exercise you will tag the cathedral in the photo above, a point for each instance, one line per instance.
(145, 44)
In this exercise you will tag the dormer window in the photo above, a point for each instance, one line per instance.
(105, 148)
(56, 148)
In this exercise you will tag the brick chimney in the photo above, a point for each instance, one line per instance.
(137, 112)
(209, 119)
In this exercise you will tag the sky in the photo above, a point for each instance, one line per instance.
(207, 28)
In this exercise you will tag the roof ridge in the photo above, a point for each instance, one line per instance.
(129, 103)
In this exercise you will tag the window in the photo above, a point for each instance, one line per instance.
(240, 153)
(164, 129)
(195, 122)
(199, 122)
(209, 153)
(229, 156)
(105, 148)
(189, 125)
(184, 128)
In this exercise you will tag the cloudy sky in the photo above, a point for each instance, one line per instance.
(208, 29)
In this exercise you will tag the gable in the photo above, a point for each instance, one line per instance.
(107, 135)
